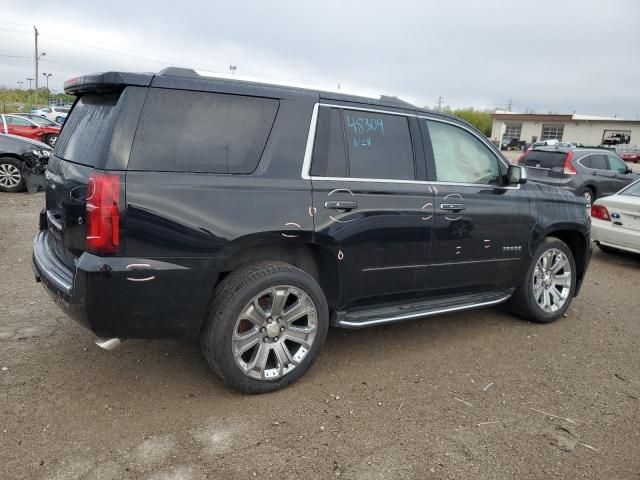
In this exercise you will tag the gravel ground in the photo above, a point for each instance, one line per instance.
(470, 395)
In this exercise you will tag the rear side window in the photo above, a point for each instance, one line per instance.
(183, 131)
(545, 159)
(359, 144)
(597, 162)
(87, 133)
(378, 145)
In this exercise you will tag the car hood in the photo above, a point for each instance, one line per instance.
(17, 142)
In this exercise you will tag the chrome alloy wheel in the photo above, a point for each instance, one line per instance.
(551, 281)
(274, 332)
(10, 176)
(588, 197)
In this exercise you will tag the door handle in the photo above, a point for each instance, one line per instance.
(595, 174)
(341, 205)
(452, 207)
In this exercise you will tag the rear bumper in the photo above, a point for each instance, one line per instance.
(127, 297)
(614, 236)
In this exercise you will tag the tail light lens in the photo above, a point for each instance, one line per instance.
(569, 169)
(103, 218)
(520, 160)
(600, 212)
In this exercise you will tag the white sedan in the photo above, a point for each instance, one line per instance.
(615, 220)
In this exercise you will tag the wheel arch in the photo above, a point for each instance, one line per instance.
(580, 247)
(310, 257)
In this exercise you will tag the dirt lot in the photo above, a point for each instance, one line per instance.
(470, 395)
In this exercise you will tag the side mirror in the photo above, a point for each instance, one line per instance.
(516, 175)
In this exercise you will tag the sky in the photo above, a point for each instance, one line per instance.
(559, 56)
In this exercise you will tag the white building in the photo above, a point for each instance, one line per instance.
(585, 129)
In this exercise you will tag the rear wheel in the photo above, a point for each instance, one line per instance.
(11, 179)
(265, 327)
(588, 195)
(549, 285)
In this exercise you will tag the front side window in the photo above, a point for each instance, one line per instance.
(616, 164)
(360, 144)
(460, 157)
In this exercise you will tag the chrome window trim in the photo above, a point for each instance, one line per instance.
(306, 164)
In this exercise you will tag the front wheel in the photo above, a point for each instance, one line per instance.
(265, 327)
(51, 140)
(11, 179)
(549, 285)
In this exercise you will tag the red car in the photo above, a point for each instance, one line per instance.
(23, 127)
(630, 154)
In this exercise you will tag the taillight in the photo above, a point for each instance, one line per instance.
(569, 169)
(103, 218)
(600, 212)
(520, 160)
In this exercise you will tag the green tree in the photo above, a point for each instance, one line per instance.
(481, 119)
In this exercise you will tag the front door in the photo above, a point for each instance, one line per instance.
(21, 127)
(481, 228)
(621, 177)
(371, 208)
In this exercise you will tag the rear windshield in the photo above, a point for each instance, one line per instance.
(87, 132)
(633, 190)
(544, 159)
(185, 131)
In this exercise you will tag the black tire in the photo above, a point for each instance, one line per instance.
(607, 249)
(231, 296)
(523, 303)
(51, 140)
(588, 191)
(11, 164)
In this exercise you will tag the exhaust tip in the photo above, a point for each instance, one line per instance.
(108, 343)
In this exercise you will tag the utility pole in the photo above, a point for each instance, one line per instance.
(440, 100)
(36, 62)
(36, 58)
(30, 80)
(509, 104)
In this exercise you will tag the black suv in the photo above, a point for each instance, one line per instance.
(253, 216)
(589, 172)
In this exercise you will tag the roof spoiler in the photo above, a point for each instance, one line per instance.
(105, 82)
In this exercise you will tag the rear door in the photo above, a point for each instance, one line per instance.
(371, 204)
(597, 172)
(481, 228)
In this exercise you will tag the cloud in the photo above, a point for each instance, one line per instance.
(544, 55)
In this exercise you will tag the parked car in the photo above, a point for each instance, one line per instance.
(57, 114)
(629, 153)
(616, 220)
(22, 163)
(24, 127)
(512, 143)
(43, 121)
(543, 143)
(271, 212)
(588, 172)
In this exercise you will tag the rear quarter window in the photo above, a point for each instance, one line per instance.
(201, 132)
